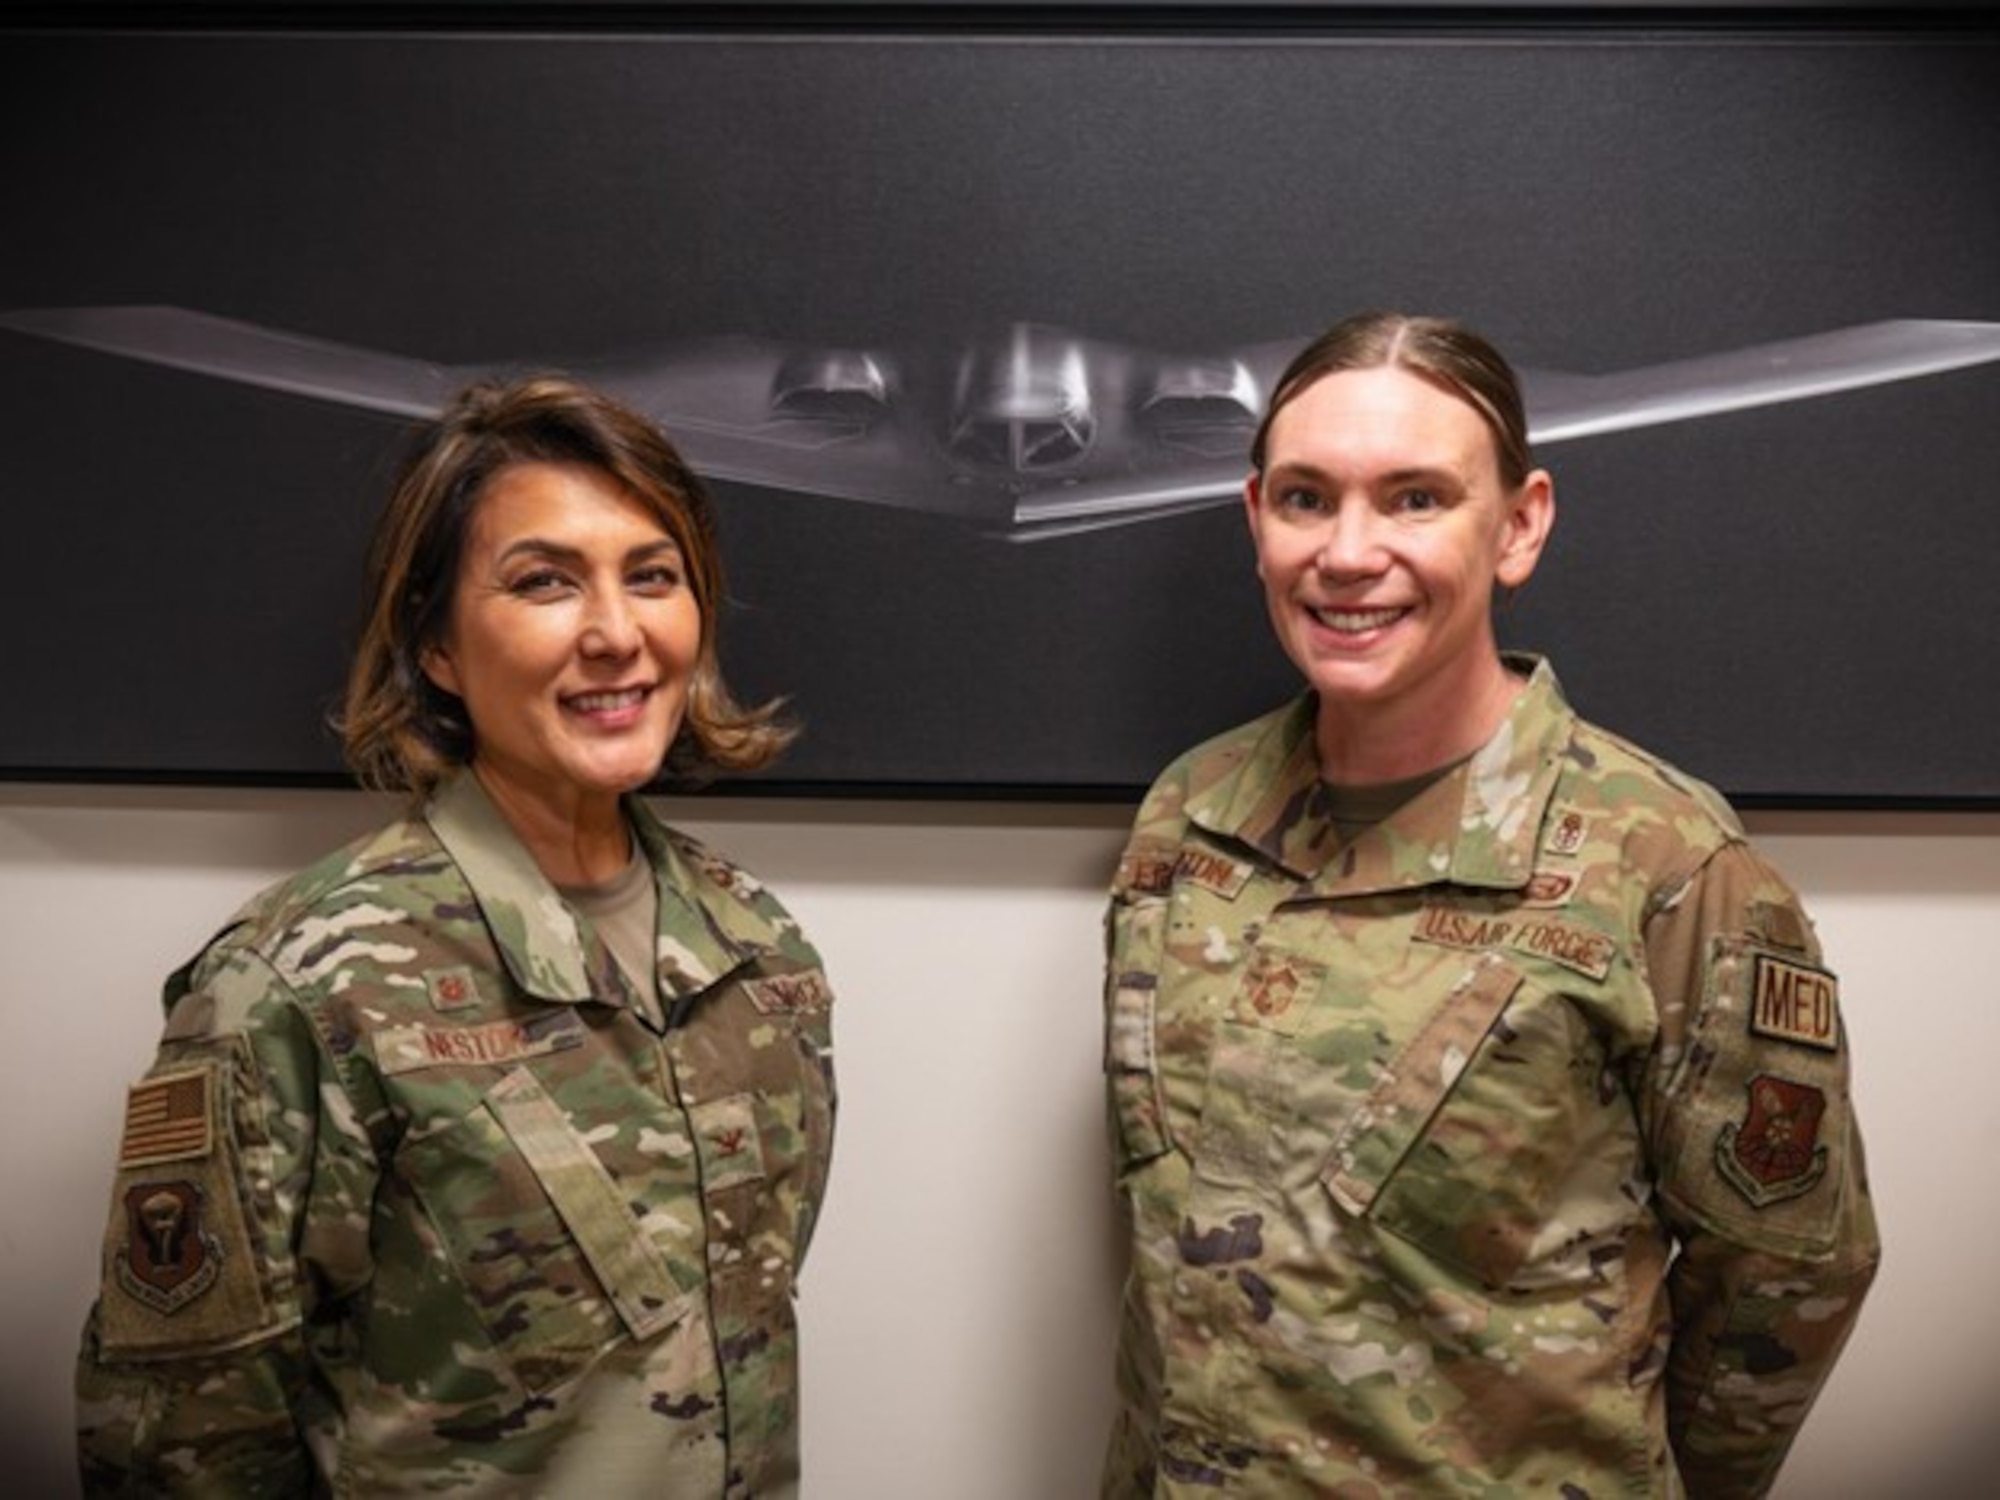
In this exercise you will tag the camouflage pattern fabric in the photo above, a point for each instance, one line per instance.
(414, 1201)
(1503, 1151)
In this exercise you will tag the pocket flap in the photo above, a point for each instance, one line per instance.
(632, 1269)
(1384, 1126)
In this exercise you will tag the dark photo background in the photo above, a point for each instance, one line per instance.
(1797, 603)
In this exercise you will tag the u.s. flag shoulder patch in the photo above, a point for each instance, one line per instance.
(168, 1117)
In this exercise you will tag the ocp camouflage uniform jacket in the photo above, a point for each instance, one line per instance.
(413, 1200)
(1506, 1151)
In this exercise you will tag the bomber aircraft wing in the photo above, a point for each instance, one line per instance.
(1030, 433)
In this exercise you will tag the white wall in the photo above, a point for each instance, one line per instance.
(959, 1301)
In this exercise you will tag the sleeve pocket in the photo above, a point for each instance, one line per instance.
(1756, 1141)
(191, 1259)
(1131, 1063)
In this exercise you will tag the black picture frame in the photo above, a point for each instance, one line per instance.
(1794, 601)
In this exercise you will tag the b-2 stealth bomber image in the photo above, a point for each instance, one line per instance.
(1032, 433)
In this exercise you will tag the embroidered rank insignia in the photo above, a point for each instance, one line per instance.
(452, 989)
(1794, 1002)
(169, 1258)
(1773, 1153)
(802, 994)
(1276, 986)
(1566, 834)
(728, 1145)
(739, 883)
(167, 1119)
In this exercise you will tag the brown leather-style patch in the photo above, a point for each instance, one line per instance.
(169, 1258)
(1795, 1002)
(1773, 1153)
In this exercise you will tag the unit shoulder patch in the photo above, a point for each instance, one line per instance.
(169, 1257)
(1773, 1152)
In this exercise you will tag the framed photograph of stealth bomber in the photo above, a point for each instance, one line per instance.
(967, 313)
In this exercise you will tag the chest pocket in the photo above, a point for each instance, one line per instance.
(1461, 1145)
(539, 1235)
(764, 1032)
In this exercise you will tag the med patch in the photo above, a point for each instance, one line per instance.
(1794, 1002)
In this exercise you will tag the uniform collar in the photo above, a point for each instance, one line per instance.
(1476, 826)
(549, 950)
(705, 928)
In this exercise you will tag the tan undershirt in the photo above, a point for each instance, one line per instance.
(625, 910)
(1354, 809)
